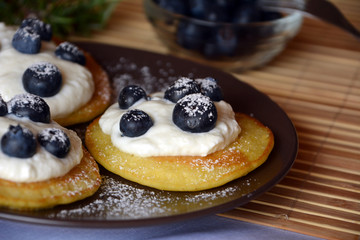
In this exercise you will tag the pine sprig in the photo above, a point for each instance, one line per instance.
(79, 17)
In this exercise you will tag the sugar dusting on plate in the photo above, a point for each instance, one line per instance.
(126, 72)
(119, 199)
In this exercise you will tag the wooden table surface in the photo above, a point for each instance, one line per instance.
(316, 80)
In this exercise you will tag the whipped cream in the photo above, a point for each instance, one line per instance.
(78, 85)
(164, 138)
(43, 165)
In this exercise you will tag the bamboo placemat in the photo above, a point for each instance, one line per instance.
(316, 80)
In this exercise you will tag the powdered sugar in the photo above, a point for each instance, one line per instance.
(125, 72)
(207, 84)
(28, 100)
(71, 48)
(183, 83)
(27, 33)
(120, 199)
(43, 69)
(54, 135)
(196, 104)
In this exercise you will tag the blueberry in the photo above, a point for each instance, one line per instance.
(246, 11)
(195, 113)
(70, 52)
(215, 13)
(41, 28)
(26, 40)
(227, 41)
(3, 107)
(191, 35)
(134, 123)
(180, 88)
(18, 142)
(31, 106)
(175, 6)
(43, 79)
(210, 88)
(55, 141)
(198, 8)
(129, 95)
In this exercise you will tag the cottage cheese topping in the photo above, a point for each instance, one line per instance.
(43, 165)
(164, 138)
(77, 88)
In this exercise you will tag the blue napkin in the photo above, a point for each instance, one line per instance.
(209, 227)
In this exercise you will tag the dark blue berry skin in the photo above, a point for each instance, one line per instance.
(191, 35)
(43, 29)
(198, 8)
(195, 113)
(180, 88)
(210, 88)
(18, 142)
(246, 12)
(216, 13)
(135, 123)
(70, 52)
(129, 95)
(55, 141)
(227, 41)
(43, 79)
(30, 106)
(175, 6)
(3, 107)
(26, 40)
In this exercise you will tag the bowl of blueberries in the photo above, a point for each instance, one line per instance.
(228, 34)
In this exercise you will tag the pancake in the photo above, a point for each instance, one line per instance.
(186, 173)
(80, 182)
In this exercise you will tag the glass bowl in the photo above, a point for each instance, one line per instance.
(228, 46)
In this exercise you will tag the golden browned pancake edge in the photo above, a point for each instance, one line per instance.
(80, 182)
(99, 101)
(186, 173)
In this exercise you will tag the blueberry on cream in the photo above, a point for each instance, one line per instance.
(134, 123)
(129, 95)
(210, 88)
(55, 141)
(26, 40)
(18, 142)
(70, 52)
(180, 88)
(30, 106)
(44, 30)
(3, 107)
(43, 79)
(195, 113)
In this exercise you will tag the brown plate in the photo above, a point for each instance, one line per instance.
(121, 203)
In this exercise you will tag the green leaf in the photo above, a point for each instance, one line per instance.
(79, 17)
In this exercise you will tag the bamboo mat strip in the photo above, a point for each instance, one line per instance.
(316, 80)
